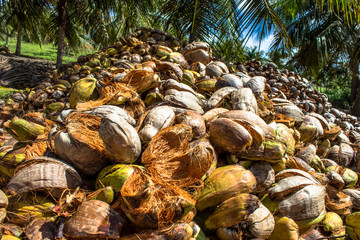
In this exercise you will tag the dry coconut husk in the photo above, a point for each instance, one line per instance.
(116, 94)
(152, 203)
(337, 201)
(140, 80)
(80, 143)
(171, 156)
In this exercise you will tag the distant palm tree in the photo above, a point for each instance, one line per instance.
(24, 16)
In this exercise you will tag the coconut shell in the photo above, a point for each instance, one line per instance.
(261, 223)
(309, 202)
(24, 130)
(284, 135)
(310, 129)
(288, 109)
(195, 120)
(232, 211)
(140, 80)
(154, 120)
(244, 99)
(288, 186)
(43, 173)
(256, 84)
(213, 113)
(269, 151)
(230, 136)
(80, 143)
(24, 208)
(307, 153)
(219, 97)
(93, 219)
(104, 110)
(197, 52)
(250, 117)
(115, 175)
(121, 140)
(355, 197)
(295, 172)
(264, 174)
(224, 183)
(332, 222)
(41, 229)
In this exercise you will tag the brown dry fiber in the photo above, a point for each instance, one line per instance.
(115, 94)
(171, 157)
(85, 128)
(152, 203)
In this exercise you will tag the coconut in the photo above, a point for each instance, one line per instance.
(94, 219)
(224, 183)
(43, 173)
(82, 91)
(79, 143)
(121, 140)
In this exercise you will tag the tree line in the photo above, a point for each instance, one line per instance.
(316, 38)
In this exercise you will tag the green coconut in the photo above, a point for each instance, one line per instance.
(83, 90)
(285, 229)
(353, 225)
(24, 130)
(224, 183)
(332, 222)
(115, 176)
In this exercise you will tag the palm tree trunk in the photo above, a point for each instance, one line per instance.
(62, 5)
(354, 68)
(18, 43)
(7, 41)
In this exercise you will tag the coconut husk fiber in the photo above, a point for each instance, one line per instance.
(140, 80)
(115, 94)
(171, 156)
(337, 201)
(152, 203)
(85, 128)
(79, 143)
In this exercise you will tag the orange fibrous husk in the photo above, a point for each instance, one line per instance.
(154, 203)
(114, 93)
(171, 156)
(85, 128)
(140, 80)
(40, 145)
(337, 201)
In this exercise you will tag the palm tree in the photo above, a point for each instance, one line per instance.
(24, 16)
(322, 38)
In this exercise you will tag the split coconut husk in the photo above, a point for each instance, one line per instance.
(94, 219)
(79, 143)
(44, 173)
(172, 157)
(152, 203)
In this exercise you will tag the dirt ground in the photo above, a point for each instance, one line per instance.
(22, 71)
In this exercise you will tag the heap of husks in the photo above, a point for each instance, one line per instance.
(153, 138)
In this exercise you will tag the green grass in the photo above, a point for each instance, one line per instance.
(45, 51)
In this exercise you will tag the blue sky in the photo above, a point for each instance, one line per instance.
(265, 44)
